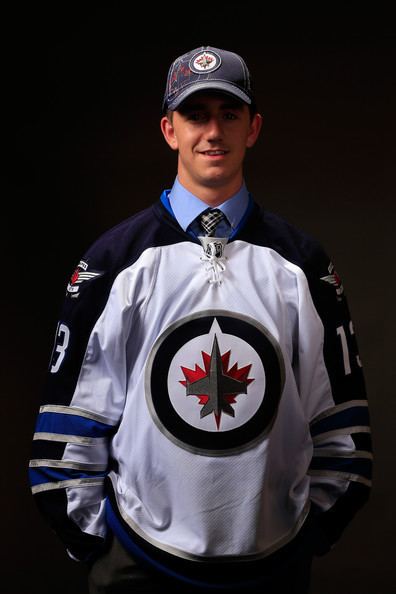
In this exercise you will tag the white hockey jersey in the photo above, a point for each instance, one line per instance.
(202, 397)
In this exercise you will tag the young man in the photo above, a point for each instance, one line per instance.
(205, 424)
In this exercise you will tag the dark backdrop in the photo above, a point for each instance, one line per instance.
(83, 111)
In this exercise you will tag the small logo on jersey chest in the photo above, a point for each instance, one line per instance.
(213, 382)
(213, 246)
(79, 276)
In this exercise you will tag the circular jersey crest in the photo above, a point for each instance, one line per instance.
(213, 382)
(204, 62)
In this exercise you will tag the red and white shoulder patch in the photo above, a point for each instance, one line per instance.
(80, 276)
(333, 279)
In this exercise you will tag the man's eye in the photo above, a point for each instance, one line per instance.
(230, 116)
(195, 117)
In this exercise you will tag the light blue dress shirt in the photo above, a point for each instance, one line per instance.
(187, 207)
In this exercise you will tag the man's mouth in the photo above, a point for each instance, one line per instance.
(214, 153)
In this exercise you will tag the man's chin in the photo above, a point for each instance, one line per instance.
(215, 180)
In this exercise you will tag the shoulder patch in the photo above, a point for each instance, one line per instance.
(333, 279)
(80, 276)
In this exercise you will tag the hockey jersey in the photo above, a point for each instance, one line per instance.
(202, 396)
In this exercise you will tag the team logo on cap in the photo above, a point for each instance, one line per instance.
(205, 62)
(213, 382)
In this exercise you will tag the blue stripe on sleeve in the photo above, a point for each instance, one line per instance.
(360, 466)
(38, 476)
(350, 417)
(50, 422)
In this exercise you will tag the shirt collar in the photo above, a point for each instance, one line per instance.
(186, 206)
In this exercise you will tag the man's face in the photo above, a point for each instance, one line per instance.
(211, 133)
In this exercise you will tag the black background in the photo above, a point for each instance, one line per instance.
(84, 151)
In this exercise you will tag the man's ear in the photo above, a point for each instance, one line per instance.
(168, 131)
(255, 127)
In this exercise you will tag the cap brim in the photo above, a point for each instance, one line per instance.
(208, 85)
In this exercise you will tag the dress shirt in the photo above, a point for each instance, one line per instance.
(187, 207)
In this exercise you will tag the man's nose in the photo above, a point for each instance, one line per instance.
(214, 129)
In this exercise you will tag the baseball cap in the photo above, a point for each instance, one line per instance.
(207, 68)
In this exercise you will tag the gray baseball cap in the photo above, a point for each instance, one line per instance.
(207, 68)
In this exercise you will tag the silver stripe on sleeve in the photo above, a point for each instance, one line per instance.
(338, 408)
(75, 410)
(342, 431)
(83, 482)
(38, 463)
(332, 453)
(337, 474)
(80, 439)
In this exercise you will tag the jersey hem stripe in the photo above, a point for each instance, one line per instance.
(205, 558)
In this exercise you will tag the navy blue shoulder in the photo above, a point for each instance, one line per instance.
(270, 230)
(155, 226)
(123, 244)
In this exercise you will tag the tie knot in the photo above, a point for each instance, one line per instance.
(210, 219)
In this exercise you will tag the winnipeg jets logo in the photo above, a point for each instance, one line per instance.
(205, 62)
(213, 382)
(333, 279)
(80, 275)
(216, 385)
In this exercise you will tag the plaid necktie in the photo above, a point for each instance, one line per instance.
(210, 219)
